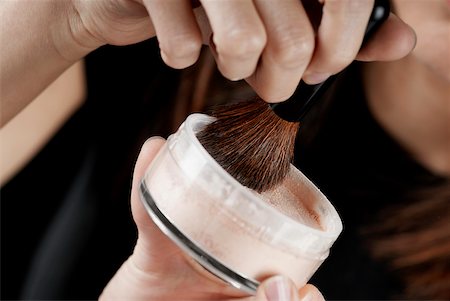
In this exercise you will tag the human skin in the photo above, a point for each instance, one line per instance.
(159, 270)
(410, 97)
(272, 47)
(52, 35)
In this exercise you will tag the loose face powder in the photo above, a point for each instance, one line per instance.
(238, 234)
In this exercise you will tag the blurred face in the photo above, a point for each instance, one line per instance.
(431, 21)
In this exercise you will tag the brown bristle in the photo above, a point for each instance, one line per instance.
(251, 143)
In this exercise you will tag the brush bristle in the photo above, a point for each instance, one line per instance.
(251, 143)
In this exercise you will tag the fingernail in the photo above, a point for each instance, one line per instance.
(308, 297)
(315, 78)
(153, 138)
(277, 289)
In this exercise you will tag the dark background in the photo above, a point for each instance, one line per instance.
(66, 225)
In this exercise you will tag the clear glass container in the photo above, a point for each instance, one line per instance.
(239, 235)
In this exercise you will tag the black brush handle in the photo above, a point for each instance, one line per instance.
(305, 96)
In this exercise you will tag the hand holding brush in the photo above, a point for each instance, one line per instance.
(254, 142)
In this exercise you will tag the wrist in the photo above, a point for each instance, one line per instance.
(71, 39)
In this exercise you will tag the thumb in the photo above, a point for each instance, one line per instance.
(153, 249)
(280, 288)
(146, 156)
(394, 40)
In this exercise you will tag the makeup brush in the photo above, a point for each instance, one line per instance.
(254, 141)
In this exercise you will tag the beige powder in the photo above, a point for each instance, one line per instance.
(240, 245)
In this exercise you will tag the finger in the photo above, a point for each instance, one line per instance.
(281, 288)
(274, 289)
(177, 31)
(150, 239)
(311, 293)
(393, 40)
(290, 45)
(339, 37)
(238, 36)
(147, 154)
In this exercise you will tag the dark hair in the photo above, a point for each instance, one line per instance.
(413, 239)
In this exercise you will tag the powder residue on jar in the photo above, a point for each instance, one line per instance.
(294, 199)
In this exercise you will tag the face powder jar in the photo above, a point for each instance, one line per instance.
(239, 235)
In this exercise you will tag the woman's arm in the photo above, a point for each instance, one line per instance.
(271, 44)
(36, 44)
(30, 130)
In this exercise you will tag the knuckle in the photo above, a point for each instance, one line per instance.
(348, 6)
(338, 60)
(240, 43)
(293, 49)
